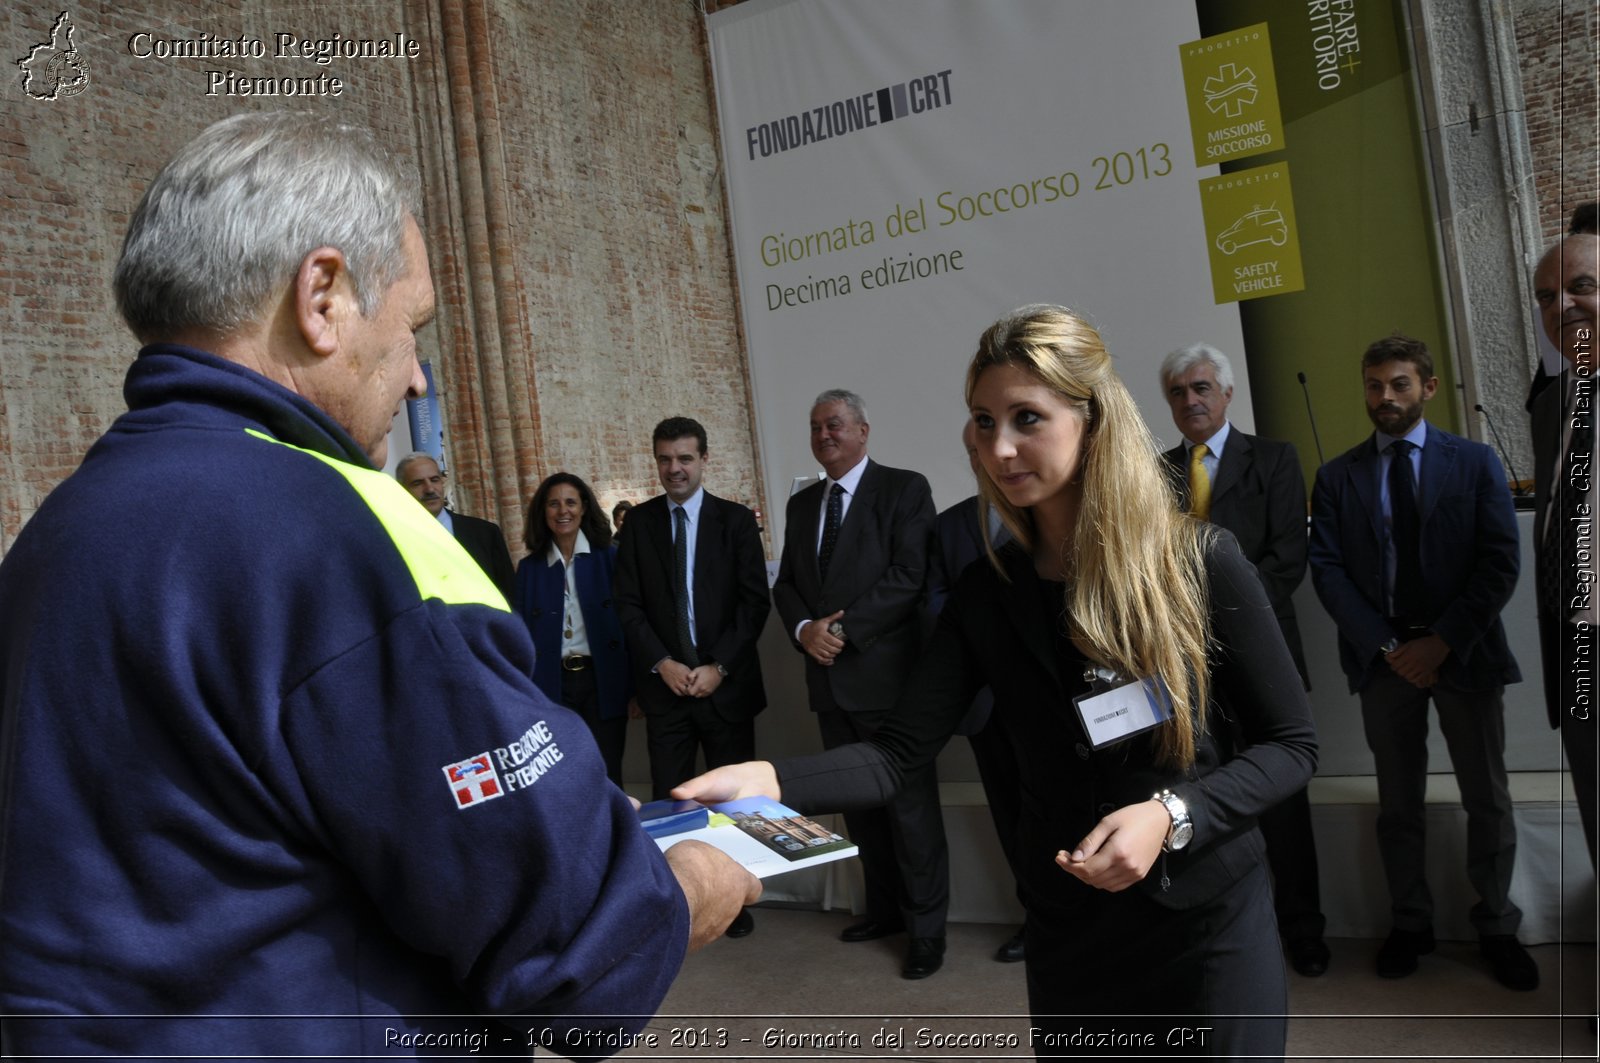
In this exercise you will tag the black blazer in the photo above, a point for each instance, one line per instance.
(1259, 494)
(1259, 748)
(730, 601)
(482, 540)
(958, 542)
(1547, 410)
(1469, 557)
(876, 576)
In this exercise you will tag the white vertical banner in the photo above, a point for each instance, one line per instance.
(902, 172)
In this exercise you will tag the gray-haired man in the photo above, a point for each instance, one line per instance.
(850, 588)
(315, 804)
(483, 540)
(1253, 487)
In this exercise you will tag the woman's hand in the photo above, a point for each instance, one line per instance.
(1121, 848)
(753, 778)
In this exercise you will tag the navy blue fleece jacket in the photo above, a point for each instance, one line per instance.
(270, 748)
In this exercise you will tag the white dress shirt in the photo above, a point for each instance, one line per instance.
(574, 635)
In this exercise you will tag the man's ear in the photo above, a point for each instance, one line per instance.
(322, 296)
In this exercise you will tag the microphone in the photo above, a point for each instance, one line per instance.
(1501, 447)
(1312, 417)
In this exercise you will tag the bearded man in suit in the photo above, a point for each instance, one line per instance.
(1414, 555)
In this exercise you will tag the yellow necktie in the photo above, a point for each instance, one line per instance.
(1199, 483)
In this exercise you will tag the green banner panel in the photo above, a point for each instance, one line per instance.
(1255, 244)
(1361, 214)
(1232, 94)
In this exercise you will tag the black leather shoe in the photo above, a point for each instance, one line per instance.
(923, 957)
(1308, 956)
(742, 924)
(1510, 962)
(1398, 957)
(871, 930)
(1012, 951)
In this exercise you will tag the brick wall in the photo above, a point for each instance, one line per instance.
(611, 295)
(1559, 46)
(614, 204)
(609, 236)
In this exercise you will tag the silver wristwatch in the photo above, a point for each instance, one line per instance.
(1182, 829)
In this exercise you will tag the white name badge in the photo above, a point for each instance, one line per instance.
(1123, 710)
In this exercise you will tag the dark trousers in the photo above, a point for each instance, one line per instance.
(1292, 856)
(579, 694)
(675, 734)
(904, 856)
(1192, 983)
(1578, 733)
(1395, 715)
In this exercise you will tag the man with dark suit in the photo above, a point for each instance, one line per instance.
(691, 591)
(960, 540)
(1414, 554)
(1565, 503)
(850, 590)
(1253, 487)
(481, 539)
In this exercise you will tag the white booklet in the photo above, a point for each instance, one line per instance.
(767, 837)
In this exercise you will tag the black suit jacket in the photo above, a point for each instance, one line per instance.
(1259, 495)
(483, 541)
(1547, 410)
(876, 576)
(958, 542)
(730, 601)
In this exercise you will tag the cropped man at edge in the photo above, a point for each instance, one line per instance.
(1565, 285)
(284, 757)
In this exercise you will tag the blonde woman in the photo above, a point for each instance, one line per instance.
(1138, 860)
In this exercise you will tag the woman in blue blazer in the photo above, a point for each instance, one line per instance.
(563, 594)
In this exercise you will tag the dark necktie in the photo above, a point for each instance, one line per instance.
(830, 529)
(1405, 532)
(680, 551)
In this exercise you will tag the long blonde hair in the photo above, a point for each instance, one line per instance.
(1137, 597)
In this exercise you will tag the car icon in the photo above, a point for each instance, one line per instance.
(1261, 225)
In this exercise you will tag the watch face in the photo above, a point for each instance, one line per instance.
(1181, 835)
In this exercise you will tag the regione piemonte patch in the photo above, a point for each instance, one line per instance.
(473, 781)
(514, 766)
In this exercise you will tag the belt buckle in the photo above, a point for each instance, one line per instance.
(574, 663)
